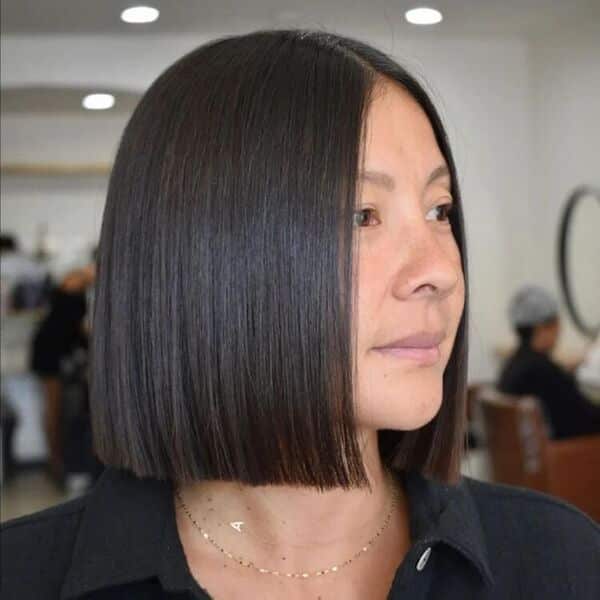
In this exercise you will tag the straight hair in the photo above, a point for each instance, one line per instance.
(225, 300)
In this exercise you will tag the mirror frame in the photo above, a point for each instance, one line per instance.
(574, 199)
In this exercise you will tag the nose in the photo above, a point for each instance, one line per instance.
(427, 265)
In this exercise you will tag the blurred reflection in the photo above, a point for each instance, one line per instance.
(44, 401)
(25, 287)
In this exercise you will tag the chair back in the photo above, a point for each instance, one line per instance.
(521, 453)
(516, 437)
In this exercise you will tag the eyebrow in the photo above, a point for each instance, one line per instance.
(387, 182)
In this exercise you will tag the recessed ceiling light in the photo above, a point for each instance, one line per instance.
(140, 14)
(423, 16)
(98, 101)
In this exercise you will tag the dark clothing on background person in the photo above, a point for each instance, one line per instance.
(8, 423)
(472, 540)
(59, 339)
(59, 333)
(569, 414)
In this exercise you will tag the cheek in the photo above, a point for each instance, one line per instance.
(457, 300)
(453, 305)
(370, 293)
(399, 397)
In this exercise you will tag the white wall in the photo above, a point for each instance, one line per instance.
(565, 73)
(126, 62)
(495, 95)
(67, 138)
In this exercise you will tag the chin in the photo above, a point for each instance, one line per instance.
(403, 408)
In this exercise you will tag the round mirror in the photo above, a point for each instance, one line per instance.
(579, 259)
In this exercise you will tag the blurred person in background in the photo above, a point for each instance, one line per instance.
(531, 370)
(60, 334)
(24, 289)
(25, 283)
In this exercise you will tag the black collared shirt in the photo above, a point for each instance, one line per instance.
(470, 541)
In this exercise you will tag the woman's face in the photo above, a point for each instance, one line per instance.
(410, 280)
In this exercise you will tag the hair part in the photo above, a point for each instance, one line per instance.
(223, 321)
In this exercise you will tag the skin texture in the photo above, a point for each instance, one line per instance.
(409, 280)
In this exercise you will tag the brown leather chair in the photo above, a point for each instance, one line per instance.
(522, 454)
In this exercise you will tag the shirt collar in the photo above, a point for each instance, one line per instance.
(447, 514)
(128, 531)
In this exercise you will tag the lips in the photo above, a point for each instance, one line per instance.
(422, 339)
(421, 347)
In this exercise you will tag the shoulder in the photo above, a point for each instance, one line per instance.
(522, 361)
(55, 518)
(530, 372)
(539, 536)
(36, 550)
(533, 513)
(527, 359)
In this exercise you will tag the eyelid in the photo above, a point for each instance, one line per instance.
(444, 201)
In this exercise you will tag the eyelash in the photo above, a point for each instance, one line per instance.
(448, 207)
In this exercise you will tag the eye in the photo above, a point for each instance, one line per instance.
(444, 212)
(365, 217)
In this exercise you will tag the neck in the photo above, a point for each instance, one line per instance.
(296, 525)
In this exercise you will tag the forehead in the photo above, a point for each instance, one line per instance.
(398, 131)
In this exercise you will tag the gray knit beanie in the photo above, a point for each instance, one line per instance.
(530, 306)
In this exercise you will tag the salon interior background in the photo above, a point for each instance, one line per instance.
(517, 81)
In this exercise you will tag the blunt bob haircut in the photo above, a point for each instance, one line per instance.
(223, 320)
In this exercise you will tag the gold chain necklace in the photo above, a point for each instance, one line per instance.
(300, 575)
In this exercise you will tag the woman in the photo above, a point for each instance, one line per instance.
(60, 333)
(280, 354)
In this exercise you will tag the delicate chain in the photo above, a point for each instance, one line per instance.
(249, 564)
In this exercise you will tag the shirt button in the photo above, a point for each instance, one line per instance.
(423, 560)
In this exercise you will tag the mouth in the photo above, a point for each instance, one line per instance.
(422, 348)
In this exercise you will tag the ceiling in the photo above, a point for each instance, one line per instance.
(477, 17)
(37, 100)
(216, 17)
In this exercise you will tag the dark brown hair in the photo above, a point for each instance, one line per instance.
(222, 343)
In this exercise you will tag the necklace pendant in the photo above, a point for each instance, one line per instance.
(237, 525)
